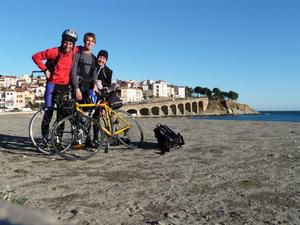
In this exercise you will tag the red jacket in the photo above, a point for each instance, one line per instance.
(62, 70)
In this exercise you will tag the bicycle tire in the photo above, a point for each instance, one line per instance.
(35, 132)
(76, 127)
(132, 137)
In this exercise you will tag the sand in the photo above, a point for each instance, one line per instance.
(229, 172)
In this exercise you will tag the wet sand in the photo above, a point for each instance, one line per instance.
(229, 172)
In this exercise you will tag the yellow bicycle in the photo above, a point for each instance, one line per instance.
(117, 124)
(71, 137)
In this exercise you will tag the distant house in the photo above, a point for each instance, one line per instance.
(2, 99)
(160, 88)
(129, 91)
(10, 98)
(179, 92)
(7, 81)
(171, 91)
(23, 80)
(131, 94)
(23, 98)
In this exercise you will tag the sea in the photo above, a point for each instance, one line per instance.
(278, 116)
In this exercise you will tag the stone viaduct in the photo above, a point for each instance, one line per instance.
(183, 107)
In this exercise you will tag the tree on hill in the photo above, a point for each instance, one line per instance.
(206, 91)
(197, 90)
(217, 91)
(225, 94)
(233, 95)
(217, 94)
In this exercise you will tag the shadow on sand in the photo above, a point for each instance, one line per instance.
(16, 144)
(23, 145)
(151, 146)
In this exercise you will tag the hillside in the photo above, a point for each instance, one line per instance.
(222, 107)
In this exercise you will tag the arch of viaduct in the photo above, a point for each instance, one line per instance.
(168, 108)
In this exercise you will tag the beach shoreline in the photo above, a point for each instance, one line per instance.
(228, 172)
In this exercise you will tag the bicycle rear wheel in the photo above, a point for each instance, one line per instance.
(42, 142)
(127, 129)
(71, 137)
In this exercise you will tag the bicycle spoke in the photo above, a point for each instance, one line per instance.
(41, 139)
(75, 137)
(129, 132)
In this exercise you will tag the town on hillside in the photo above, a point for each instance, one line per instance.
(23, 93)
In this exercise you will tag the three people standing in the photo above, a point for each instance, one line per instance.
(71, 65)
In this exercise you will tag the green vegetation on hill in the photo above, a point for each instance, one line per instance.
(215, 93)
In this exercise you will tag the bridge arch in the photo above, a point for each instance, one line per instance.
(165, 110)
(194, 107)
(145, 111)
(181, 108)
(133, 112)
(188, 107)
(155, 111)
(173, 109)
(201, 106)
(178, 107)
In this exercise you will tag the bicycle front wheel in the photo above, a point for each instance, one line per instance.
(127, 130)
(41, 136)
(72, 137)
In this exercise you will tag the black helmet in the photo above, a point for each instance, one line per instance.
(69, 35)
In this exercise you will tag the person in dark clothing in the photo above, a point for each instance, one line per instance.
(84, 76)
(84, 69)
(104, 81)
(104, 73)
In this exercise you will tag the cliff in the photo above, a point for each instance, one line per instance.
(225, 107)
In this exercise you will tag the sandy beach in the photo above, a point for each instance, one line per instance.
(229, 172)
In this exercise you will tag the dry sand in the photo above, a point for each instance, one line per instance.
(229, 172)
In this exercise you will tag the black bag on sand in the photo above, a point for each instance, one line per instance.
(167, 138)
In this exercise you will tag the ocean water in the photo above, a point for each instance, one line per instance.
(278, 116)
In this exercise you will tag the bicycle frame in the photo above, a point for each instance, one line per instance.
(108, 128)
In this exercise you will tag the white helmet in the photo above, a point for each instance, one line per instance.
(69, 35)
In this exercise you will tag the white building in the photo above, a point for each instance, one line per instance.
(2, 99)
(179, 92)
(131, 94)
(171, 91)
(10, 99)
(160, 88)
(7, 81)
(39, 92)
(147, 85)
(25, 80)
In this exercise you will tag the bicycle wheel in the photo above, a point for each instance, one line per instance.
(126, 129)
(42, 140)
(71, 137)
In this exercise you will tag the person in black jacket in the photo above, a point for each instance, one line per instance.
(104, 73)
(104, 82)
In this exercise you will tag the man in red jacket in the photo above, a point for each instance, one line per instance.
(57, 70)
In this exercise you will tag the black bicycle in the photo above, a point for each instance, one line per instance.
(43, 121)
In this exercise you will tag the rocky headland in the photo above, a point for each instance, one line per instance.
(228, 107)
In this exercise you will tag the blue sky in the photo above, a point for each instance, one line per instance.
(248, 46)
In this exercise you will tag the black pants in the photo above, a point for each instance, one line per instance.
(57, 98)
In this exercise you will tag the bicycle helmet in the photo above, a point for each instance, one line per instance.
(69, 35)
